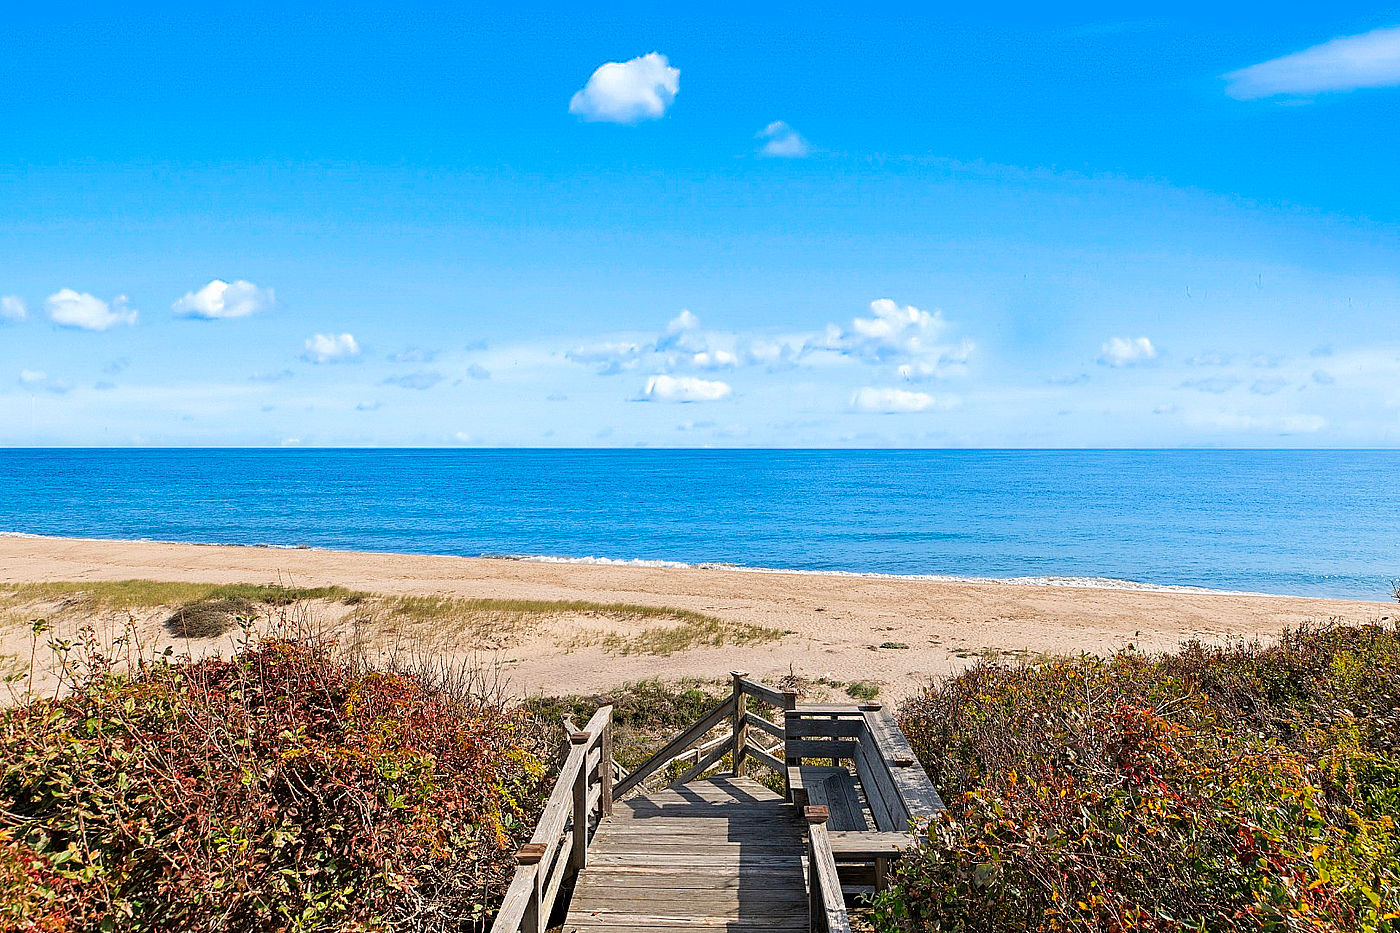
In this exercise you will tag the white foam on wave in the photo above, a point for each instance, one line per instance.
(1087, 583)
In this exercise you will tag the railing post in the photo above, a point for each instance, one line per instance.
(741, 728)
(578, 856)
(816, 909)
(530, 854)
(605, 770)
(789, 704)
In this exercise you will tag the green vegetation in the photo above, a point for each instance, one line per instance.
(150, 594)
(281, 789)
(1214, 789)
(208, 610)
(863, 691)
(646, 714)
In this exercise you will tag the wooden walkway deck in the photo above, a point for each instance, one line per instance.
(724, 852)
(718, 854)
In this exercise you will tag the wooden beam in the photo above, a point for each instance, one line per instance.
(760, 692)
(741, 725)
(681, 742)
(704, 764)
(772, 728)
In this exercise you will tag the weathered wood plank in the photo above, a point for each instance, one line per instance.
(794, 749)
(825, 728)
(683, 741)
(921, 800)
(762, 693)
(763, 758)
(772, 728)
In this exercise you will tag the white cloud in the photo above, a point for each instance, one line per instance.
(87, 312)
(607, 357)
(1267, 424)
(220, 299)
(1342, 64)
(898, 401)
(418, 381)
(38, 381)
(903, 335)
(13, 308)
(1127, 351)
(714, 359)
(685, 389)
(330, 348)
(783, 142)
(628, 92)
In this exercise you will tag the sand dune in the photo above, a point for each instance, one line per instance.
(841, 627)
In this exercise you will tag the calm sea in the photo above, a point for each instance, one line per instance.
(1296, 522)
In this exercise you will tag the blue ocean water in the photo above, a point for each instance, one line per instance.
(1319, 523)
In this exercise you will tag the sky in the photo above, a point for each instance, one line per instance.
(650, 225)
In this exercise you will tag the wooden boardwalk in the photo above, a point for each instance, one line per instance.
(711, 855)
(723, 852)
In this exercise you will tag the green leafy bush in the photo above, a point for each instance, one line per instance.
(281, 789)
(1241, 788)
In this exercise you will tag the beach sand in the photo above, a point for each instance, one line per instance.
(836, 624)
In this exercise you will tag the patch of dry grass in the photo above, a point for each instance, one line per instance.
(150, 594)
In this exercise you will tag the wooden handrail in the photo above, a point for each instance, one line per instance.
(826, 904)
(559, 844)
(679, 744)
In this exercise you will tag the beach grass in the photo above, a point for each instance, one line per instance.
(150, 594)
(667, 629)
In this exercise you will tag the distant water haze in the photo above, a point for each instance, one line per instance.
(1308, 523)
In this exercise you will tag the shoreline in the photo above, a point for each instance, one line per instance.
(898, 633)
(1065, 581)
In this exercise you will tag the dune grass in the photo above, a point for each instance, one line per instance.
(474, 619)
(150, 594)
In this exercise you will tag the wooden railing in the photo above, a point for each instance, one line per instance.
(826, 905)
(559, 846)
(703, 753)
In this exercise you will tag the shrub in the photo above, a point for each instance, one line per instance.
(208, 618)
(281, 789)
(1238, 788)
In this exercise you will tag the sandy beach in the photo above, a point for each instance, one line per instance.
(897, 633)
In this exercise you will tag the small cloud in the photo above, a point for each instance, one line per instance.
(278, 376)
(684, 389)
(1268, 386)
(477, 371)
(783, 142)
(1217, 385)
(105, 386)
(607, 357)
(1323, 378)
(291, 442)
(1210, 359)
(219, 300)
(1068, 380)
(1345, 63)
(904, 335)
(80, 310)
(556, 397)
(38, 381)
(628, 92)
(1127, 351)
(330, 348)
(419, 381)
(414, 355)
(13, 308)
(369, 406)
(898, 401)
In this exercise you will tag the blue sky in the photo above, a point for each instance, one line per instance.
(435, 225)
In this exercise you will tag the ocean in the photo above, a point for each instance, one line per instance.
(1311, 523)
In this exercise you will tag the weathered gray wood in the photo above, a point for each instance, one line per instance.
(829, 908)
(868, 845)
(683, 741)
(762, 693)
(741, 724)
(827, 709)
(921, 800)
(825, 728)
(772, 728)
(886, 804)
(795, 749)
(716, 754)
(763, 758)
